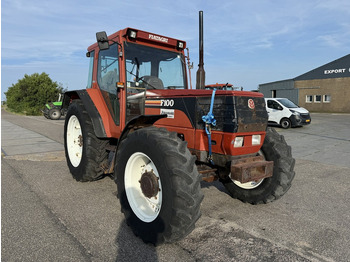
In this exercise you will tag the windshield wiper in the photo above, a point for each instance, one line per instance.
(137, 74)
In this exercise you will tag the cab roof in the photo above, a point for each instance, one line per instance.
(143, 37)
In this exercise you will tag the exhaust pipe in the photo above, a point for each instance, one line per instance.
(200, 80)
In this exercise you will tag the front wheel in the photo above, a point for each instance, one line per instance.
(158, 185)
(85, 153)
(269, 189)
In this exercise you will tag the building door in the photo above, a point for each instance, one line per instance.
(273, 93)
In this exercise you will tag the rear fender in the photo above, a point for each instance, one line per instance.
(91, 109)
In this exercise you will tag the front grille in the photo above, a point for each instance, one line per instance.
(233, 114)
(251, 119)
(305, 116)
(223, 110)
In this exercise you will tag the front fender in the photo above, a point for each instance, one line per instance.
(90, 107)
(139, 122)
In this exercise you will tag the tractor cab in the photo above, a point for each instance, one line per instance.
(130, 65)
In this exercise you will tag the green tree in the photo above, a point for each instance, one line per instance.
(30, 94)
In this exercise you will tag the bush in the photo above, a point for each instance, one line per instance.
(30, 94)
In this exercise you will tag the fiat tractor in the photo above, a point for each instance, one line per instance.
(140, 123)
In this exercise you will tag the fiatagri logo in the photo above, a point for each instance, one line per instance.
(251, 104)
(158, 38)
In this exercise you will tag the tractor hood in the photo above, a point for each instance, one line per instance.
(234, 111)
(198, 93)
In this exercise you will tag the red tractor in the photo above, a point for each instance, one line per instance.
(140, 123)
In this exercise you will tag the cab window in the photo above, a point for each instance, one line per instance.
(91, 67)
(107, 78)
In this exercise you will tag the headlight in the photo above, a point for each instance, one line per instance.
(295, 113)
(238, 142)
(180, 45)
(132, 34)
(256, 140)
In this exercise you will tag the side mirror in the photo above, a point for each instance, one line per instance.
(102, 40)
(279, 107)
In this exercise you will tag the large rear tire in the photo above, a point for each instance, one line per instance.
(85, 153)
(158, 185)
(269, 189)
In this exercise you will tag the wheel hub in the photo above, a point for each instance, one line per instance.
(149, 184)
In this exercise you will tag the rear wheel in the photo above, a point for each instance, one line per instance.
(285, 123)
(269, 189)
(85, 153)
(158, 185)
(55, 113)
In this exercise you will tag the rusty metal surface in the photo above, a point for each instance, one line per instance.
(251, 169)
(251, 114)
(208, 174)
(149, 183)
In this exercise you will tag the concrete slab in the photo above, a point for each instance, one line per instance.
(16, 140)
(326, 140)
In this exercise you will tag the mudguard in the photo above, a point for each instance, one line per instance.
(140, 121)
(90, 108)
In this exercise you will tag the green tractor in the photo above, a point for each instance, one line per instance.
(53, 110)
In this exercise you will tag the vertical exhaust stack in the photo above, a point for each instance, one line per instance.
(200, 80)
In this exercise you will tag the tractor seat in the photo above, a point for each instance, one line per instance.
(153, 82)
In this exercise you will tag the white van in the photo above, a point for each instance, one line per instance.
(284, 112)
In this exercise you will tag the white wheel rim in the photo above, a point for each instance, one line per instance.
(285, 124)
(145, 208)
(54, 113)
(251, 184)
(74, 141)
(248, 185)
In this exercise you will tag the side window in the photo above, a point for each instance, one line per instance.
(108, 70)
(274, 105)
(91, 67)
(269, 104)
(107, 78)
(277, 106)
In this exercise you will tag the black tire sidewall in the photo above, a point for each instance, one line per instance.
(286, 120)
(274, 149)
(137, 143)
(77, 172)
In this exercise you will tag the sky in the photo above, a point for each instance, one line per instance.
(246, 43)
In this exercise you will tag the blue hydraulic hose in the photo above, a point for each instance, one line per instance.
(209, 121)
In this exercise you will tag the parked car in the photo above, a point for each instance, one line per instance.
(284, 112)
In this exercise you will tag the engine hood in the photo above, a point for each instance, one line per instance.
(300, 110)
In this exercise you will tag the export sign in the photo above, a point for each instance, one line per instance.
(336, 71)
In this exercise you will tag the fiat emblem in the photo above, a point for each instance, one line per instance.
(251, 104)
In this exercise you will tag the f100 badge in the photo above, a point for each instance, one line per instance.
(162, 102)
(251, 104)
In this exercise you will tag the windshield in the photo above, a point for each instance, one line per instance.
(153, 68)
(287, 103)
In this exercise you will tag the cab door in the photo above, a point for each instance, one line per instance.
(274, 110)
(107, 78)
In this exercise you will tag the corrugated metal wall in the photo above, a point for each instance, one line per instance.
(283, 89)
